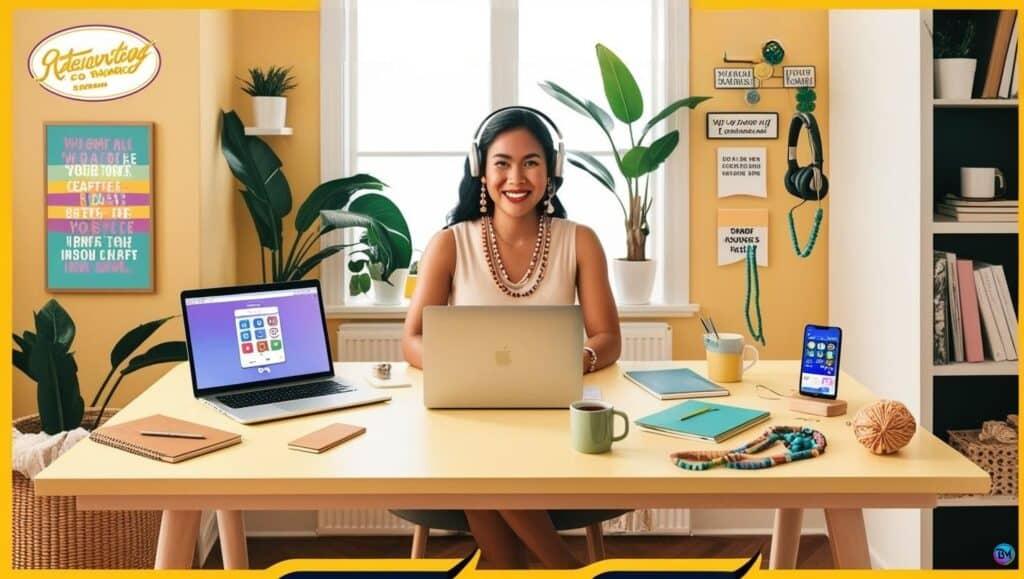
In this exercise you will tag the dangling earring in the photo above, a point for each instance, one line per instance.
(550, 208)
(483, 198)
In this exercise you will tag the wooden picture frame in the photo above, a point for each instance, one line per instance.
(98, 207)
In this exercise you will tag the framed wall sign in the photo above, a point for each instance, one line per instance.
(98, 205)
(743, 125)
(798, 76)
(726, 78)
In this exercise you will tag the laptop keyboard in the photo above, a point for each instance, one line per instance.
(270, 396)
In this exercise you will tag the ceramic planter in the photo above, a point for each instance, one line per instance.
(269, 112)
(390, 294)
(633, 281)
(954, 77)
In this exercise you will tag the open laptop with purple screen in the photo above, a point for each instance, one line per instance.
(260, 353)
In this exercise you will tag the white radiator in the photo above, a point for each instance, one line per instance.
(383, 342)
(368, 342)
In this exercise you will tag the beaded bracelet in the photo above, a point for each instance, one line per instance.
(593, 359)
(802, 443)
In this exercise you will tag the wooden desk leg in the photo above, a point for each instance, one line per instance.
(848, 537)
(177, 542)
(786, 538)
(231, 527)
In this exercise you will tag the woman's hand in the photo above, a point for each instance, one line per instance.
(600, 316)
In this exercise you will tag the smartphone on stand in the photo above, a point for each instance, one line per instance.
(819, 365)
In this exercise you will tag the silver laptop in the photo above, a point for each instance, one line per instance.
(502, 356)
(260, 353)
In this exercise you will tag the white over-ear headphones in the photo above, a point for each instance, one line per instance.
(475, 162)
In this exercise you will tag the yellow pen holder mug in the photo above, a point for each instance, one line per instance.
(725, 357)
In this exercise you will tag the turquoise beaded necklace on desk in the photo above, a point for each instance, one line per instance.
(801, 443)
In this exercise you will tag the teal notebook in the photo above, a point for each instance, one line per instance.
(714, 425)
(675, 383)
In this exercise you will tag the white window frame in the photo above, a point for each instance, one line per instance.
(669, 243)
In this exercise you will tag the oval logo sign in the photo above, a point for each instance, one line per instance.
(94, 62)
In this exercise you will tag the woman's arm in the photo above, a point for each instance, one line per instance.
(433, 287)
(600, 316)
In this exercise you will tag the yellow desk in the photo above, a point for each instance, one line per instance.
(487, 459)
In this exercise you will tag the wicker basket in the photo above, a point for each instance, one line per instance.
(997, 459)
(50, 533)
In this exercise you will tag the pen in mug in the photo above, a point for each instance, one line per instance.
(171, 434)
(713, 330)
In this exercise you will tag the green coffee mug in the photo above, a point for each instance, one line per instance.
(591, 424)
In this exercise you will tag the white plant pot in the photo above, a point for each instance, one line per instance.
(633, 281)
(269, 112)
(954, 77)
(385, 294)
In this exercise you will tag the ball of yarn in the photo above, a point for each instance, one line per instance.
(884, 427)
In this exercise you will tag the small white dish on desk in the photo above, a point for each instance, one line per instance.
(393, 382)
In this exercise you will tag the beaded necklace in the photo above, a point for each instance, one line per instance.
(801, 442)
(496, 266)
(752, 282)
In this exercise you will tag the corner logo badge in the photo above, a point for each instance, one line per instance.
(94, 62)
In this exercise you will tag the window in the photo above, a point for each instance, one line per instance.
(405, 111)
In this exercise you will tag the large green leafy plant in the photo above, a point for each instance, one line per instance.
(636, 162)
(268, 197)
(45, 356)
(383, 247)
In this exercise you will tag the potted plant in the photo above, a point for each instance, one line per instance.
(634, 275)
(382, 256)
(953, 43)
(268, 197)
(49, 532)
(267, 89)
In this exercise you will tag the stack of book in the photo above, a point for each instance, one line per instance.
(978, 210)
(1001, 73)
(974, 318)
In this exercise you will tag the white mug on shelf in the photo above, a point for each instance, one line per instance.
(980, 182)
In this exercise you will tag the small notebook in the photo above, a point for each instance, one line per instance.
(675, 383)
(715, 425)
(326, 438)
(127, 436)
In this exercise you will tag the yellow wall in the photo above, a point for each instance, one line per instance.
(264, 38)
(794, 291)
(172, 103)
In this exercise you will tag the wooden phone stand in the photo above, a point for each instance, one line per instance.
(817, 406)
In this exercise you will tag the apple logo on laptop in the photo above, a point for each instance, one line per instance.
(503, 357)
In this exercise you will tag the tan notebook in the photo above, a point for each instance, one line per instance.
(128, 436)
(326, 438)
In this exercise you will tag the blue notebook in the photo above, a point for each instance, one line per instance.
(675, 383)
(714, 425)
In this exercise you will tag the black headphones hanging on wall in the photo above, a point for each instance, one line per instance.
(476, 163)
(807, 183)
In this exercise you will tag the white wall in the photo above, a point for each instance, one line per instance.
(875, 249)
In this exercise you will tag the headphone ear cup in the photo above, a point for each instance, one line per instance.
(802, 182)
(788, 181)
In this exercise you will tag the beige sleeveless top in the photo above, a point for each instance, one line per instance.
(472, 284)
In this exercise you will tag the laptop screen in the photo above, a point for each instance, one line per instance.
(256, 335)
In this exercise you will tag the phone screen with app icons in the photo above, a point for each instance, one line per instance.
(819, 367)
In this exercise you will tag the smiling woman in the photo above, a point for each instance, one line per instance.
(508, 243)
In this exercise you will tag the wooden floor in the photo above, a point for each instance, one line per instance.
(814, 549)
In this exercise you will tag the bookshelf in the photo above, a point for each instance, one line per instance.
(957, 133)
(893, 151)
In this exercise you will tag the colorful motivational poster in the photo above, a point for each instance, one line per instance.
(99, 207)
(738, 228)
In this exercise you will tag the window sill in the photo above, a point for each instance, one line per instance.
(372, 312)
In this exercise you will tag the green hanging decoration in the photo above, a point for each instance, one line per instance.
(805, 99)
(754, 289)
(815, 227)
(772, 52)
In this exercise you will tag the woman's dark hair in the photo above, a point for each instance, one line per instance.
(468, 207)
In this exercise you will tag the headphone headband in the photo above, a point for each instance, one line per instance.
(801, 120)
(476, 163)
